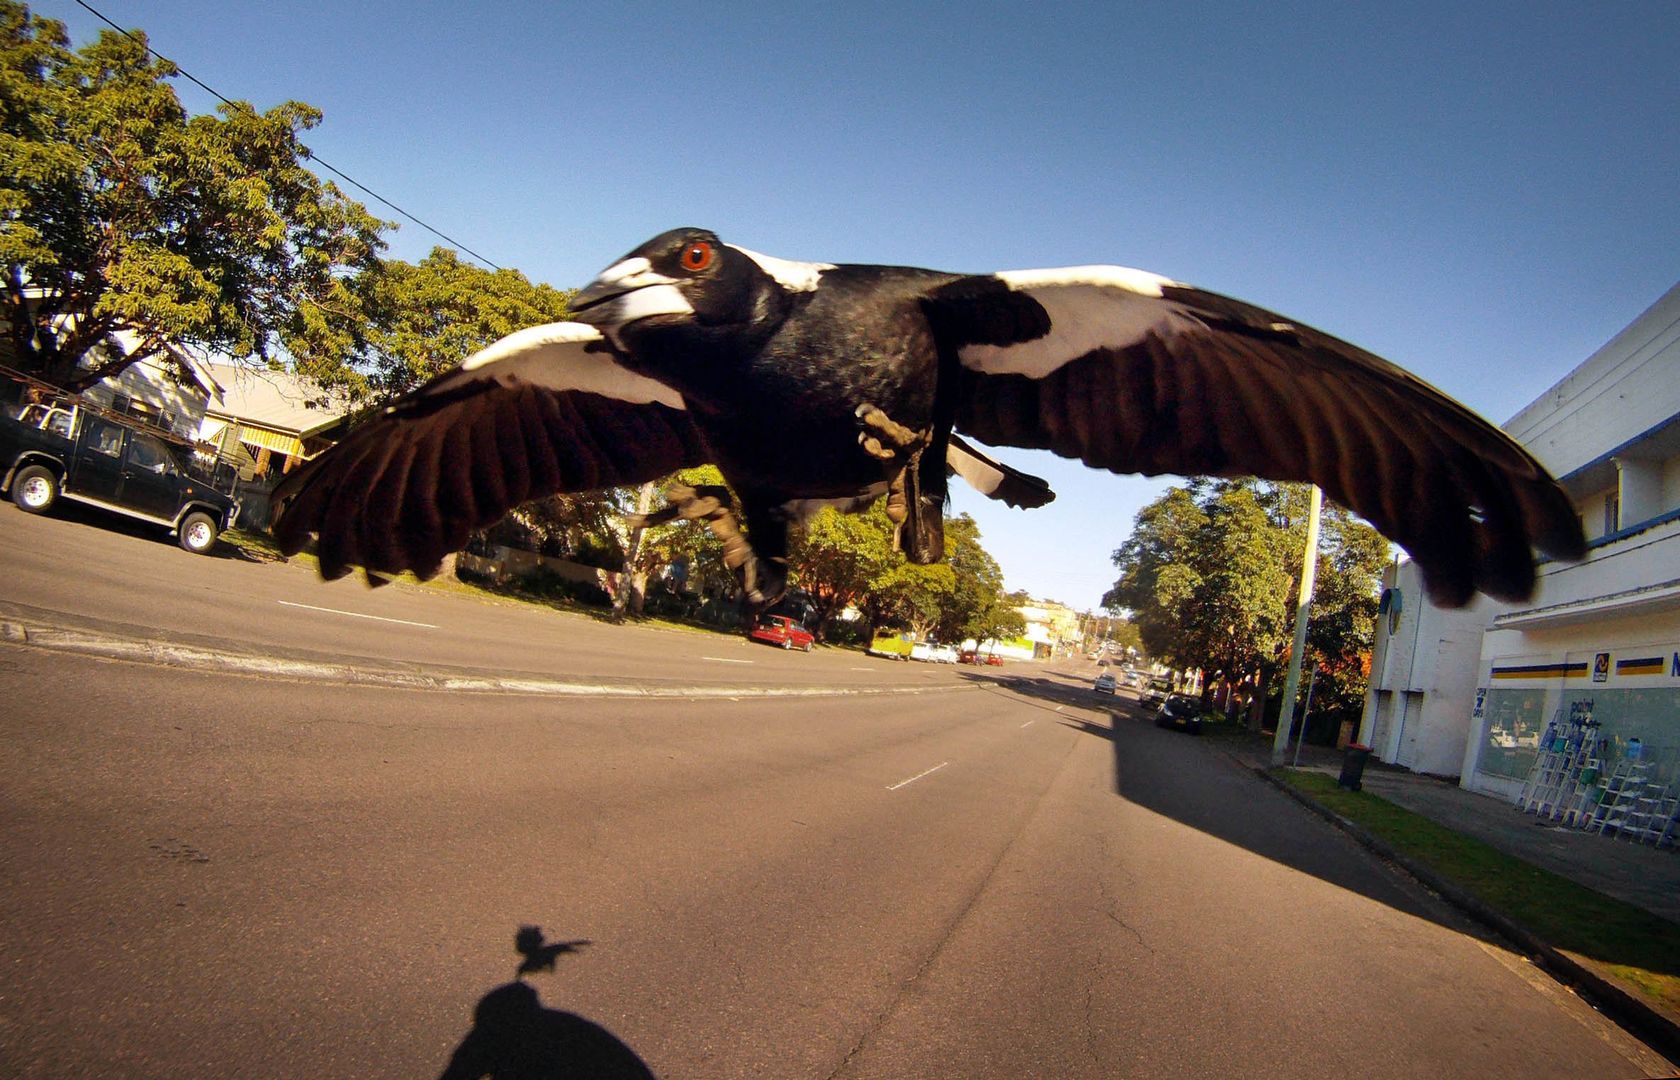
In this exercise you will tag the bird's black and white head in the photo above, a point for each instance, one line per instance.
(689, 280)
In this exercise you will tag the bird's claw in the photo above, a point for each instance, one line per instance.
(885, 438)
(684, 502)
(762, 580)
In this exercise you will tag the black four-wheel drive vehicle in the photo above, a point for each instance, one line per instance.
(67, 451)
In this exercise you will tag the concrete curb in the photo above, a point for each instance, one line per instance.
(199, 658)
(1647, 1024)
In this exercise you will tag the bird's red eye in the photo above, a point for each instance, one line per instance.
(697, 256)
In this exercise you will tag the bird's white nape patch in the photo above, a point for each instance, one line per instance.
(798, 276)
(556, 356)
(1090, 307)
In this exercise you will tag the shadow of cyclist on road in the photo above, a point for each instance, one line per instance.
(514, 1037)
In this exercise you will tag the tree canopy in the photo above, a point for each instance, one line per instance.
(120, 212)
(848, 560)
(1209, 576)
(420, 319)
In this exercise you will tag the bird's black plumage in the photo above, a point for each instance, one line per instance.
(810, 384)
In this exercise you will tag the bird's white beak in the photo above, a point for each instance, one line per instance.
(627, 291)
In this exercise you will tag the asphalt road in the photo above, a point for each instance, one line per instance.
(215, 875)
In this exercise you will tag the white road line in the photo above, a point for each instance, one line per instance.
(357, 614)
(1059, 708)
(1029, 722)
(727, 660)
(918, 776)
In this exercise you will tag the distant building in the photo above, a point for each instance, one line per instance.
(1472, 692)
(171, 388)
(273, 419)
(1050, 626)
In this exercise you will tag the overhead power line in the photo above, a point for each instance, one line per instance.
(316, 158)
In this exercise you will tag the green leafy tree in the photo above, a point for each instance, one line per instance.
(1000, 620)
(691, 544)
(1160, 572)
(1209, 576)
(838, 560)
(423, 318)
(976, 584)
(119, 212)
(848, 560)
(1344, 613)
(910, 596)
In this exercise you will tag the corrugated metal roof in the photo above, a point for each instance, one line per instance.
(276, 400)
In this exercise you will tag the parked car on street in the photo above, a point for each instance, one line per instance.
(1151, 696)
(1180, 711)
(70, 451)
(934, 653)
(1105, 683)
(783, 631)
(894, 644)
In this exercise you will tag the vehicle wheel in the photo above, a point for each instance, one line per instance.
(808, 645)
(34, 489)
(198, 533)
(787, 644)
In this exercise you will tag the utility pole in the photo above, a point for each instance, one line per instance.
(1291, 685)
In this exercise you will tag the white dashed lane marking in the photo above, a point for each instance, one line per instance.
(357, 615)
(918, 776)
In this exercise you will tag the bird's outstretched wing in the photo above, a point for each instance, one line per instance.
(1131, 372)
(542, 411)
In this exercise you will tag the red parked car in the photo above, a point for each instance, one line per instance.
(783, 631)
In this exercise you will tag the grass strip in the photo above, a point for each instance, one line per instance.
(1639, 949)
(260, 547)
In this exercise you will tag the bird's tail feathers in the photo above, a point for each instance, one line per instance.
(994, 479)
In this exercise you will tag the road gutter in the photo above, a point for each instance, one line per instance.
(222, 661)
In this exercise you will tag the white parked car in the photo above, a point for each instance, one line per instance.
(934, 654)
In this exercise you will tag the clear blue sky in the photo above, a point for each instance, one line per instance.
(1482, 192)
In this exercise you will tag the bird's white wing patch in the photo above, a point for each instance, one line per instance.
(556, 356)
(1090, 307)
(798, 276)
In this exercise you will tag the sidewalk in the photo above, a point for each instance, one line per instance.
(1637, 874)
(1640, 874)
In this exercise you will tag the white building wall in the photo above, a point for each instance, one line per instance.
(1423, 678)
(1624, 389)
(1479, 685)
(149, 382)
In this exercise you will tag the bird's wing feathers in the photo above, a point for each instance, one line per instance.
(542, 411)
(1135, 373)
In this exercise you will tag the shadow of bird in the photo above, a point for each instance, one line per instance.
(540, 955)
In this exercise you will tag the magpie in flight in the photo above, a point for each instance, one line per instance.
(813, 384)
